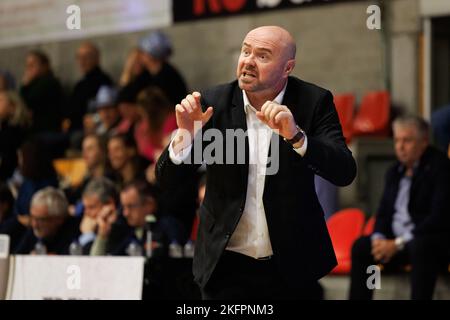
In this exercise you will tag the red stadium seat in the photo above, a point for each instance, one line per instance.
(372, 117)
(345, 227)
(370, 224)
(345, 104)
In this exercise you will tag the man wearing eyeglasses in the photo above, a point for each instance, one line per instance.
(51, 225)
(115, 234)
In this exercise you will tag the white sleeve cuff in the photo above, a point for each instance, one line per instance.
(377, 235)
(302, 150)
(181, 156)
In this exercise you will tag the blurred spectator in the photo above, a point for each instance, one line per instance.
(42, 93)
(413, 222)
(106, 107)
(157, 123)
(94, 154)
(95, 157)
(132, 69)
(125, 162)
(7, 81)
(440, 123)
(99, 195)
(156, 49)
(128, 108)
(139, 199)
(93, 77)
(51, 224)
(37, 170)
(14, 122)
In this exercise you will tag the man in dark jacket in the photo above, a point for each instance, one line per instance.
(262, 232)
(52, 229)
(42, 93)
(126, 234)
(156, 50)
(413, 220)
(88, 58)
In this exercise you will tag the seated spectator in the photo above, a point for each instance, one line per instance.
(94, 155)
(158, 121)
(125, 162)
(139, 199)
(99, 195)
(42, 93)
(14, 122)
(129, 111)
(109, 115)
(413, 222)
(132, 68)
(86, 89)
(51, 225)
(155, 51)
(8, 222)
(37, 171)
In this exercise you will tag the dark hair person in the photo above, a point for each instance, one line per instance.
(38, 172)
(157, 122)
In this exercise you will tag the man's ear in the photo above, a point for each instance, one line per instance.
(290, 64)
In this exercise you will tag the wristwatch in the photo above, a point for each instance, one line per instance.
(399, 243)
(298, 136)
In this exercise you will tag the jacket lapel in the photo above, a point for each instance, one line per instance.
(237, 110)
(292, 101)
(239, 121)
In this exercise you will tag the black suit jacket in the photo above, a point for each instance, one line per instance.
(429, 199)
(298, 233)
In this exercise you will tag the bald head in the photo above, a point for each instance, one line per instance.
(277, 36)
(267, 58)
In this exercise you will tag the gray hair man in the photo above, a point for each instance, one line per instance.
(412, 223)
(51, 225)
(99, 195)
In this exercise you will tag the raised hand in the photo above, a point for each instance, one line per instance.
(278, 117)
(190, 110)
(190, 117)
(105, 219)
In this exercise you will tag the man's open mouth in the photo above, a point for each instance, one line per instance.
(248, 74)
